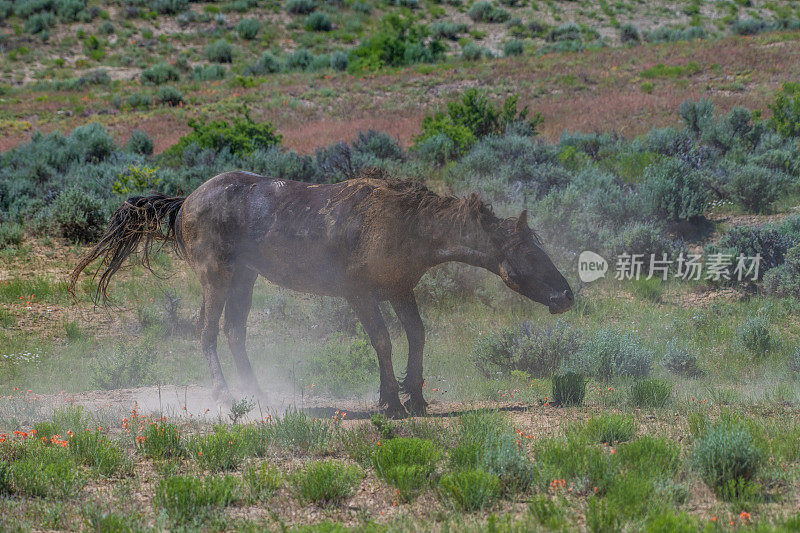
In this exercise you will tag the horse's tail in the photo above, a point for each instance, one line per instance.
(140, 219)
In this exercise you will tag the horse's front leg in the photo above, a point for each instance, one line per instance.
(368, 312)
(408, 313)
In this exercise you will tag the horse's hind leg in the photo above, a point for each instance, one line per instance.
(215, 292)
(237, 307)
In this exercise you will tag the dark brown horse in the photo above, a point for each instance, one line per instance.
(367, 240)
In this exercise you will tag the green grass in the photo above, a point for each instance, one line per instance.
(219, 450)
(22, 291)
(300, 432)
(470, 490)
(101, 454)
(406, 463)
(191, 500)
(161, 441)
(44, 470)
(262, 481)
(671, 71)
(652, 392)
(326, 483)
(609, 428)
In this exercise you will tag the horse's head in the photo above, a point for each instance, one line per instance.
(525, 267)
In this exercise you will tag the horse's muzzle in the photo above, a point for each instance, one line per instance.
(561, 301)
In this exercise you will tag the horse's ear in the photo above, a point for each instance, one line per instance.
(522, 221)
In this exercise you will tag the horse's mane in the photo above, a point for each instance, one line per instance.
(416, 200)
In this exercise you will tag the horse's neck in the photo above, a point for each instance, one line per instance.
(462, 242)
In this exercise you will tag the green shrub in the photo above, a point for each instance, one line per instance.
(725, 455)
(448, 30)
(651, 457)
(300, 59)
(750, 26)
(652, 392)
(266, 64)
(675, 192)
(339, 61)
(566, 32)
(11, 234)
(470, 490)
(785, 109)
(681, 359)
(539, 351)
(209, 72)
(248, 29)
(241, 137)
(221, 450)
(262, 481)
(140, 143)
(125, 367)
(697, 115)
(513, 47)
(79, 215)
(466, 456)
(484, 11)
(500, 452)
(568, 389)
(93, 142)
(608, 428)
(345, 368)
(219, 51)
(169, 7)
(160, 73)
(406, 463)
(756, 188)
(39, 24)
(784, 280)
(139, 100)
(770, 243)
(628, 33)
(161, 441)
(610, 353)
(666, 34)
(169, 95)
(474, 52)
(754, 336)
(326, 482)
(300, 7)
(398, 42)
(192, 500)
(318, 21)
(106, 28)
(473, 117)
(6, 8)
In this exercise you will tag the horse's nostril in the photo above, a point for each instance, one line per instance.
(568, 294)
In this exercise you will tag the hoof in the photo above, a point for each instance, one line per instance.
(395, 411)
(223, 397)
(417, 408)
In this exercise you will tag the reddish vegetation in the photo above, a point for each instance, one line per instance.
(589, 91)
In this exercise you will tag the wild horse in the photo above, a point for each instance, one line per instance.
(368, 240)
